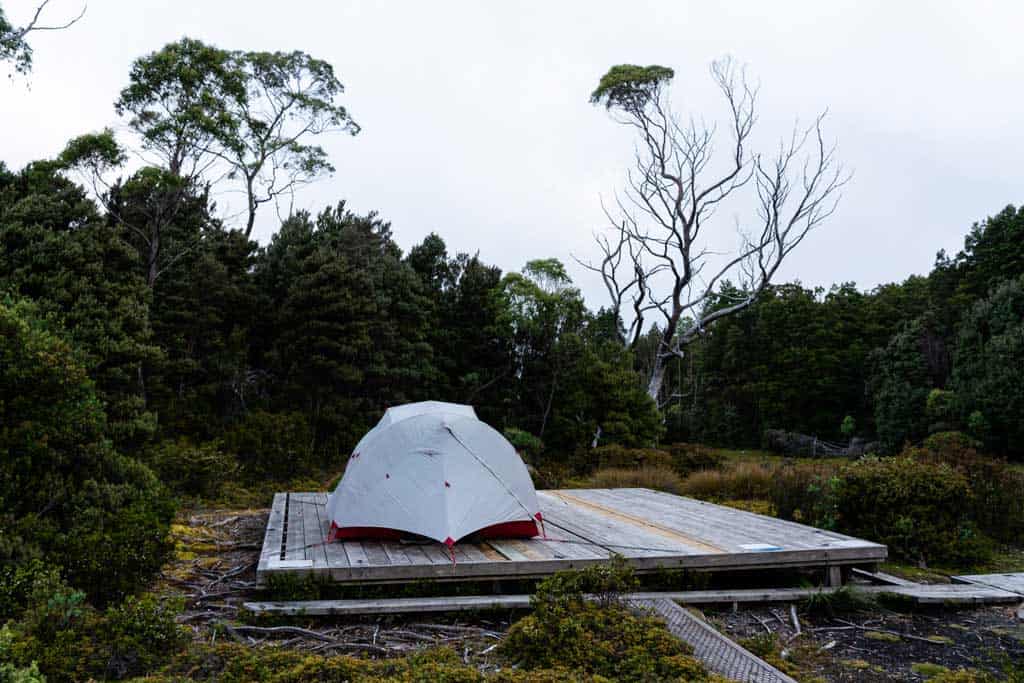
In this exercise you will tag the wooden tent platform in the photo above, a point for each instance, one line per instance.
(651, 529)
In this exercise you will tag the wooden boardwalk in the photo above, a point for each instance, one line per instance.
(651, 529)
(1013, 583)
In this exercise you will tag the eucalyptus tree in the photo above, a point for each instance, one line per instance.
(246, 118)
(14, 45)
(663, 257)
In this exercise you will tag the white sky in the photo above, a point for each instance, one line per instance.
(476, 122)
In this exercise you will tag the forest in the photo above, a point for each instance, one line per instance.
(153, 354)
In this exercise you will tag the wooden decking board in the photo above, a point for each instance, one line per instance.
(616, 535)
(1014, 583)
(732, 528)
(920, 593)
(781, 528)
(270, 554)
(314, 539)
(652, 530)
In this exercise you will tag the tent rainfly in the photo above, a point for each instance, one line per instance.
(433, 469)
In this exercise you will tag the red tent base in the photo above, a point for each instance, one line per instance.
(517, 529)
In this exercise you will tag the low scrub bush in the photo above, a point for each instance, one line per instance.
(619, 456)
(525, 443)
(804, 492)
(689, 457)
(602, 637)
(68, 640)
(741, 481)
(199, 470)
(997, 505)
(921, 510)
(649, 477)
(274, 446)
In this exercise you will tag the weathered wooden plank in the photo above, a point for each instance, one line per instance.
(580, 533)
(926, 594)
(615, 534)
(312, 537)
(375, 553)
(881, 577)
(356, 555)
(270, 554)
(396, 553)
(1013, 582)
(334, 551)
(295, 541)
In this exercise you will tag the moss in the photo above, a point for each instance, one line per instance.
(858, 664)
(883, 637)
(928, 669)
(942, 640)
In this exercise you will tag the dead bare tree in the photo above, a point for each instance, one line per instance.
(663, 233)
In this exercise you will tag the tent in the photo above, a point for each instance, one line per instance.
(434, 470)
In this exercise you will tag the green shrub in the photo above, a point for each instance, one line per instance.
(273, 445)
(920, 510)
(648, 477)
(586, 461)
(599, 637)
(190, 468)
(65, 494)
(803, 492)
(71, 641)
(525, 443)
(688, 458)
(997, 506)
(138, 635)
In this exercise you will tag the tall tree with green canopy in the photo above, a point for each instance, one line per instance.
(56, 248)
(349, 327)
(249, 114)
(572, 386)
(65, 494)
(986, 367)
(660, 257)
(471, 351)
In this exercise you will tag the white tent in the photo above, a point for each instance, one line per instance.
(433, 469)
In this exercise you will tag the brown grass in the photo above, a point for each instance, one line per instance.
(741, 481)
(649, 477)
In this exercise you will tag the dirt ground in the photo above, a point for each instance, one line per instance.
(214, 570)
(215, 564)
(878, 644)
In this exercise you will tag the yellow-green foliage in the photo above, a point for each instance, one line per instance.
(648, 476)
(921, 510)
(71, 641)
(691, 457)
(739, 481)
(603, 637)
(619, 456)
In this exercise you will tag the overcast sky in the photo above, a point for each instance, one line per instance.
(476, 123)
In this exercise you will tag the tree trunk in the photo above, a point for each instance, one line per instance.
(657, 377)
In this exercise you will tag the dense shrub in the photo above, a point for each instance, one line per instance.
(647, 476)
(614, 455)
(65, 494)
(804, 492)
(70, 641)
(997, 505)
(273, 445)
(742, 481)
(196, 469)
(525, 443)
(597, 637)
(920, 510)
(691, 457)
